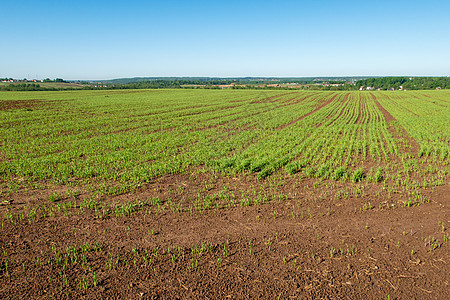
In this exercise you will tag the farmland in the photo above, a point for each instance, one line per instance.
(149, 194)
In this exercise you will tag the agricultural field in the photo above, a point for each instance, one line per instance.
(212, 194)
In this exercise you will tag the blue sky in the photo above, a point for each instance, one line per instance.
(112, 39)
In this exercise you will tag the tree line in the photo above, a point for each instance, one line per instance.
(25, 87)
(410, 83)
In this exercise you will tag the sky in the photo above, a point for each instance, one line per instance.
(94, 40)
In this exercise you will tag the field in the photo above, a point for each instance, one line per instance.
(213, 194)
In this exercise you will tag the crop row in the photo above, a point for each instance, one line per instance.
(131, 137)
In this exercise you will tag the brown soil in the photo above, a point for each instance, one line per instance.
(388, 117)
(20, 104)
(312, 239)
(407, 143)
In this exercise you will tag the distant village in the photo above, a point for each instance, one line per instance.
(400, 88)
(371, 88)
(11, 80)
(289, 85)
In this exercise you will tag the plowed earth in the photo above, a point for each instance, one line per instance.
(325, 240)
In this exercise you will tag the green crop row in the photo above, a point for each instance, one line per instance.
(131, 137)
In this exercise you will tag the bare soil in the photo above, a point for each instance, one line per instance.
(311, 239)
(407, 143)
(20, 104)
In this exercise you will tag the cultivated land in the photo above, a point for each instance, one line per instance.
(163, 194)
